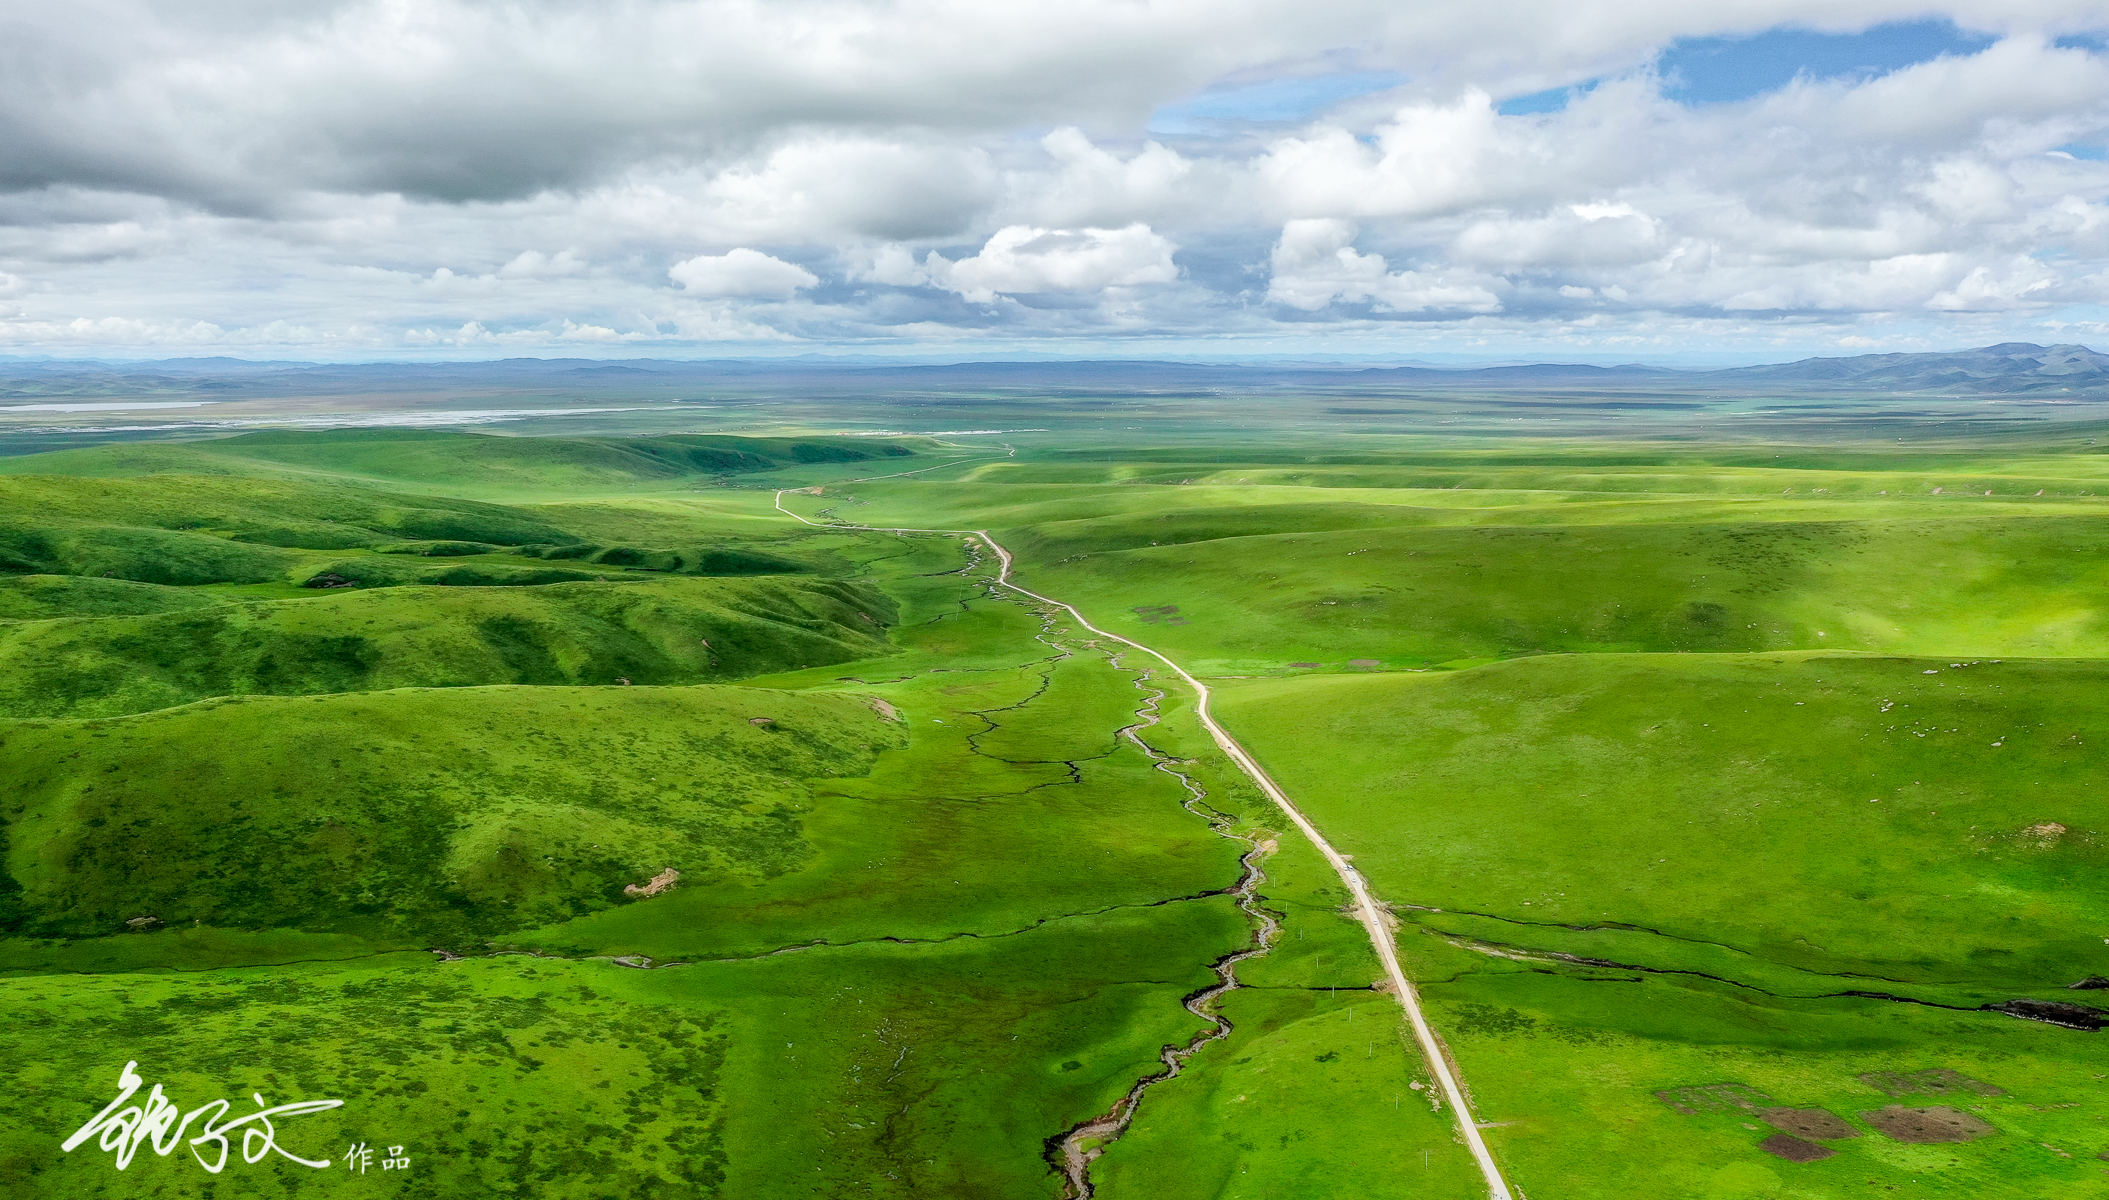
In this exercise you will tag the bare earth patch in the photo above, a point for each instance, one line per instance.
(1927, 1125)
(657, 884)
(1808, 1122)
(1793, 1149)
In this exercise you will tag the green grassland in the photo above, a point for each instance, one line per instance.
(1881, 808)
(433, 816)
(1741, 795)
(1268, 576)
(933, 910)
(883, 1070)
(189, 530)
(640, 630)
(467, 464)
(1757, 765)
(1765, 842)
(1318, 1090)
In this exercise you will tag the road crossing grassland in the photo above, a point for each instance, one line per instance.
(1374, 919)
(955, 957)
(1798, 934)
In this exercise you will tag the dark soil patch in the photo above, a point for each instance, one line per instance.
(1364, 662)
(2055, 1012)
(1808, 1122)
(1793, 1149)
(1303, 666)
(1925, 1125)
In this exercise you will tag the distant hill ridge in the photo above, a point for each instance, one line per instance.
(2008, 367)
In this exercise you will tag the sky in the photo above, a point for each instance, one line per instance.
(1592, 180)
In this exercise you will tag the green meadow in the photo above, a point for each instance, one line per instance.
(591, 828)
(1680, 768)
(552, 878)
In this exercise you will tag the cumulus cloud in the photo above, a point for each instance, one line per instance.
(854, 187)
(366, 173)
(534, 264)
(1024, 259)
(741, 272)
(1315, 263)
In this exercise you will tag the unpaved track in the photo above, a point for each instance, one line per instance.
(1375, 921)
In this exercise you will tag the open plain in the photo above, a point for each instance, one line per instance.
(687, 813)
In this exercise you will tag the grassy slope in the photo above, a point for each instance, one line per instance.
(1011, 804)
(427, 815)
(648, 631)
(42, 597)
(1502, 795)
(1775, 822)
(875, 1070)
(463, 463)
(1013, 906)
(1833, 814)
(1691, 559)
(1414, 596)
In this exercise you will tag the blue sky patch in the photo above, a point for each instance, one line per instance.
(1722, 69)
(1718, 70)
(1549, 101)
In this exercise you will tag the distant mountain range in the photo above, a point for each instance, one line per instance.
(2010, 368)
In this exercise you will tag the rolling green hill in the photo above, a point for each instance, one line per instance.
(454, 461)
(435, 816)
(186, 529)
(1412, 595)
(935, 892)
(641, 631)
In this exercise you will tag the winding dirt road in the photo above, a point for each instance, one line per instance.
(1374, 919)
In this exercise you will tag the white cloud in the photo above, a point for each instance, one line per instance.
(853, 187)
(1025, 259)
(1091, 186)
(534, 264)
(741, 272)
(1578, 235)
(375, 173)
(1315, 263)
(891, 264)
(1429, 158)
